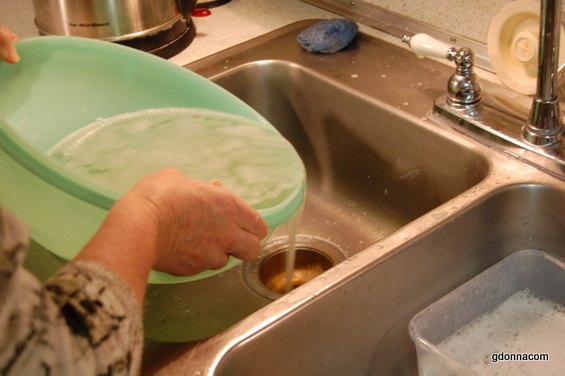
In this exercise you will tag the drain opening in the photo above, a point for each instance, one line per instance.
(308, 265)
(266, 275)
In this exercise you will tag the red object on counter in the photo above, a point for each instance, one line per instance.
(201, 12)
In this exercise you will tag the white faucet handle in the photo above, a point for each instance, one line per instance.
(424, 45)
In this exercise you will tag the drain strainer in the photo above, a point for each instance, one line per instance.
(266, 275)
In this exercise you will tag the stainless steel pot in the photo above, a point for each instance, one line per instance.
(162, 27)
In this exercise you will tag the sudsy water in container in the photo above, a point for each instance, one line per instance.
(521, 336)
(508, 320)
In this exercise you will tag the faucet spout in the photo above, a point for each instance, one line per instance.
(544, 127)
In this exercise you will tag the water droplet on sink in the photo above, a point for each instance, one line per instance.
(438, 216)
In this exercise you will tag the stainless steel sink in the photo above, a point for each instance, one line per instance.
(416, 207)
(358, 323)
(354, 319)
(371, 169)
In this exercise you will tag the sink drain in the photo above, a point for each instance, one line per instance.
(266, 275)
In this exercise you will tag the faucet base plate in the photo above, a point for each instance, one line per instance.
(498, 122)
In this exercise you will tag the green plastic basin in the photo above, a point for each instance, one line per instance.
(64, 83)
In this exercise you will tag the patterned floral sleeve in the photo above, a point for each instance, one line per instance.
(83, 321)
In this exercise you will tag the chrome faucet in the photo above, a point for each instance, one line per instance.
(538, 132)
(544, 127)
(463, 87)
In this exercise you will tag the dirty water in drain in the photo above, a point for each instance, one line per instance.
(269, 275)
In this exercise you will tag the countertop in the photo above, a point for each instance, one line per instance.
(228, 25)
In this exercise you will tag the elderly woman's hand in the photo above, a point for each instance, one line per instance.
(174, 224)
(199, 225)
(8, 52)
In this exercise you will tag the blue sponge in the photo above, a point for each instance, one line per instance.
(328, 37)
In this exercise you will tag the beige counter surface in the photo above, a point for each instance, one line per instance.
(228, 25)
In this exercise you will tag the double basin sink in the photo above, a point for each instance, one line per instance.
(406, 209)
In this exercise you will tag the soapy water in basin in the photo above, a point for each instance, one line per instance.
(524, 324)
(252, 161)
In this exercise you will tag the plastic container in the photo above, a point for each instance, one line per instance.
(542, 274)
(64, 83)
